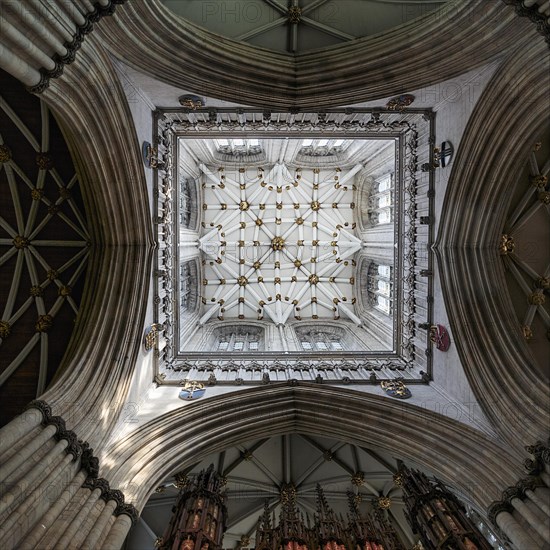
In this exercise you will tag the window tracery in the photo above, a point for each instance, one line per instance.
(233, 338)
(188, 286)
(381, 200)
(379, 287)
(321, 339)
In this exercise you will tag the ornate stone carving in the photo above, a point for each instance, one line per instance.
(5, 329)
(507, 245)
(5, 154)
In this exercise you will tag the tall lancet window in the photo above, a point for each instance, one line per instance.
(380, 287)
(381, 201)
(321, 338)
(239, 339)
(188, 286)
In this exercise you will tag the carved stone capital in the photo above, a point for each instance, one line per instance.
(129, 510)
(43, 407)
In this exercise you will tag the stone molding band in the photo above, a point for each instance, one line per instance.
(74, 45)
(88, 462)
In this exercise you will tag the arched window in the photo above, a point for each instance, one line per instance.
(246, 338)
(188, 203)
(381, 200)
(380, 287)
(188, 286)
(321, 339)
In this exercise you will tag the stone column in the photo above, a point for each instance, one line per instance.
(117, 534)
(53, 495)
(514, 531)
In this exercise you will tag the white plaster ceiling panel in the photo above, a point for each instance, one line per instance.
(278, 243)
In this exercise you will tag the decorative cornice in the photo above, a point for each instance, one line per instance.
(373, 123)
(74, 45)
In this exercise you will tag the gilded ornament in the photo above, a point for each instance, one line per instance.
(5, 329)
(279, 206)
(241, 244)
(507, 245)
(44, 161)
(259, 222)
(315, 206)
(328, 456)
(192, 102)
(296, 206)
(358, 479)
(316, 170)
(313, 279)
(300, 243)
(5, 153)
(334, 205)
(396, 388)
(400, 103)
(277, 280)
(384, 503)
(539, 181)
(294, 279)
(277, 243)
(314, 224)
(262, 206)
(53, 209)
(287, 493)
(313, 260)
(242, 186)
(297, 263)
(243, 281)
(224, 206)
(160, 489)
(537, 146)
(20, 242)
(299, 221)
(37, 194)
(543, 283)
(537, 298)
(257, 265)
(36, 291)
(159, 541)
(44, 323)
(277, 265)
(222, 281)
(398, 479)
(260, 279)
(544, 197)
(64, 291)
(181, 480)
(245, 541)
(527, 333)
(314, 243)
(247, 455)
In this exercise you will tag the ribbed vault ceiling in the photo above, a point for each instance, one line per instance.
(299, 25)
(525, 251)
(267, 469)
(44, 247)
